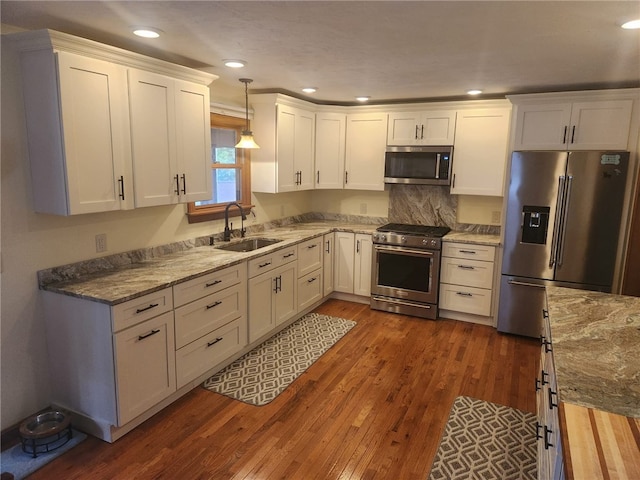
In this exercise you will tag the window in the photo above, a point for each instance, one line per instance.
(230, 170)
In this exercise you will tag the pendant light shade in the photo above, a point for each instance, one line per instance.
(246, 138)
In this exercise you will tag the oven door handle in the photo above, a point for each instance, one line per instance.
(400, 302)
(416, 251)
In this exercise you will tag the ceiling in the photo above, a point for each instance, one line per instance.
(388, 50)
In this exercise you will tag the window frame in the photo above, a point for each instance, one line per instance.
(207, 213)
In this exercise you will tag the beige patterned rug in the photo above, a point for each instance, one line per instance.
(266, 371)
(483, 440)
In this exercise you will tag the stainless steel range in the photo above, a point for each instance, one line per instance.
(406, 269)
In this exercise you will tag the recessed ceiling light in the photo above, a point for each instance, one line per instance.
(231, 63)
(631, 25)
(474, 92)
(146, 32)
(310, 90)
(363, 99)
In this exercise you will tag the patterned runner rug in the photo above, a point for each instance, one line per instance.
(262, 374)
(483, 440)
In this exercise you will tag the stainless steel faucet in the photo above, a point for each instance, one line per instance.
(227, 230)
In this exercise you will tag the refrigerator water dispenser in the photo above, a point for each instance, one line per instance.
(535, 221)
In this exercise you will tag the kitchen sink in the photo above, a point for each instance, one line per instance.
(248, 244)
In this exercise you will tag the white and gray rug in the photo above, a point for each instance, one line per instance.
(483, 440)
(266, 371)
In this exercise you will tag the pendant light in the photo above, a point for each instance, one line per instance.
(246, 139)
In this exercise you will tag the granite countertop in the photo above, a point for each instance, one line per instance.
(128, 281)
(596, 339)
(475, 238)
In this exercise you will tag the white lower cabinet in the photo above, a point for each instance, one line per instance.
(353, 255)
(310, 272)
(466, 278)
(310, 289)
(272, 293)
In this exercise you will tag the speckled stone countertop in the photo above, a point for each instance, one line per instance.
(475, 238)
(596, 349)
(116, 284)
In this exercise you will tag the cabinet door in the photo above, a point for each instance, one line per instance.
(305, 149)
(438, 127)
(193, 141)
(330, 150)
(403, 129)
(328, 256)
(286, 298)
(542, 127)
(600, 125)
(365, 148)
(344, 258)
(362, 265)
(480, 152)
(156, 181)
(286, 148)
(145, 366)
(261, 306)
(95, 125)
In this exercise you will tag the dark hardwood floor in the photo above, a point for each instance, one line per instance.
(374, 406)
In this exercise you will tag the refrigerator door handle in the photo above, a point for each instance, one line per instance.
(557, 220)
(565, 209)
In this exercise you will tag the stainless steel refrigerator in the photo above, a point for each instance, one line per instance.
(564, 211)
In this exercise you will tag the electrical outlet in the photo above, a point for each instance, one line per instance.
(101, 242)
(495, 216)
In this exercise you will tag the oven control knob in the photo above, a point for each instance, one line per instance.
(403, 239)
(434, 243)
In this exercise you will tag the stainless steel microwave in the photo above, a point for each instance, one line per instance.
(418, 165)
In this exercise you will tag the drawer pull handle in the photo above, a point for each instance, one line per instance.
(538, 427)
(312, 246)
(547, 442)
(266, 264)
(538, 387)
(470, 252)
(464, 294)
(152, 305)
(551, 403)
(466, 267)
(311, 280)
(215, 304)
(152, 332)
(289, 255)
(210, 344)
(545, 343)
(207, 285)
(545, 313)
(544, 378)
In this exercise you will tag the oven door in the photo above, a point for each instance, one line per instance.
(405, 273)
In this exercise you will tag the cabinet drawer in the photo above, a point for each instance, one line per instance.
(127, 314)
(205, 314)
(196, 358)
(465, 299)
(310, 289)
(191, 290)
(470, 251)
(309, 256)
(471, 273)
(270, 261)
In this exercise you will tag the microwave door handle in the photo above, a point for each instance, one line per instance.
(437, 165)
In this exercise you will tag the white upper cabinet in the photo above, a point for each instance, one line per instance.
(365, 149)
(579, 125)
(286, 135)
(330, 150)
(171, 139)
(94, 112)
(422, 128)
(480, 151)
(78, 133)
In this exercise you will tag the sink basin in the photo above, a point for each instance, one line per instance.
(248, 244)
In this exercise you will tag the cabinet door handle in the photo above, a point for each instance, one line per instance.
(552, 404)
(538, 427)
(573, 133)
(544, 378)
(538, 386)
(453, 183)
(328, 248)
(318, 179)
(266, 264)
(547, 441)
(564, 135)
(545, 343)
(346, 177)
(177, 190)
(311, 280)
(184, 183)
(416, 136)
(357, 246)
(219, 339)
(421, 132)
(121, 182)
(214, 304)
(545, 313)
(466, 267)
(464, 294)
(151, 305)
(215, 282)
(152, 332)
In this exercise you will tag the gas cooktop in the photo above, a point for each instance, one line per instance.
(422, 230)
